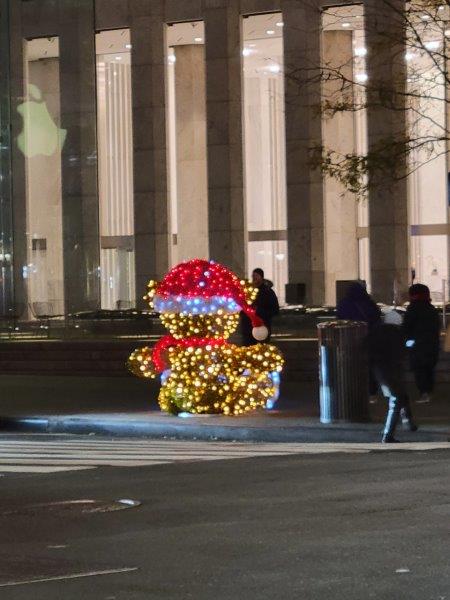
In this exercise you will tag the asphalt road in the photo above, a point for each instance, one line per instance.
(324, 526)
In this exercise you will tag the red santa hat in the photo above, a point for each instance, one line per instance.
(205, 287)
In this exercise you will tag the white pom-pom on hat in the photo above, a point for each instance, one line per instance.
(260, 333)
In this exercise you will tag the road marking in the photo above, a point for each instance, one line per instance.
(70, 576)
(56, 455)
(18, 468)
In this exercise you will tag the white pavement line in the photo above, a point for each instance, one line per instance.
(167, 444)
(211, 448)
(119, 461)
(81, 462)
(172, 443)
(417, 446)
(147, 449)
(254, 446)
(70, 576)
(169, 454)
(156, 442)
(99, 453)
(166, 456)
(161, 442)
(157, 460)
(31, 453)
(15, 468)
(70, 455)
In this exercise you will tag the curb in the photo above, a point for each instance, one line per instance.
(315, 433)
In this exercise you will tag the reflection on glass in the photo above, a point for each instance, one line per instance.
(115, 161)
(41, 142)
(363, 251)
(430, 262)
(427, 121)
(264, 127)
(40, 135)
(428, 163)
(264, 143)
(187, 147)
(271, 257)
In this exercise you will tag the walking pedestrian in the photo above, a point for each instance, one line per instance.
(357, 305)
(422, 330)
(266, 305)
(387, 357)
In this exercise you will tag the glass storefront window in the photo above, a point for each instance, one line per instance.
(115, 168)
(363, 254)
(428, 183)
(264, 142)
(271, 257)
(187, 148)
(264, 130)
(41, 142)
(427, 120)
(429, 253)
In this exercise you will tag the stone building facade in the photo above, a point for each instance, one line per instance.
(61, 247)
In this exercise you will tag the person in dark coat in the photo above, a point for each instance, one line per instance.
(266, 305)
(357, 305)
(422, 329)
(387, 360)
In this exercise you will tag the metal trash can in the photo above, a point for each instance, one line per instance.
(343, 371)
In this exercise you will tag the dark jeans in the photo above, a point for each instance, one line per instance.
(424, 376)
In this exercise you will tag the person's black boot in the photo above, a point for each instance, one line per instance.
(391, 421)
(389, 439)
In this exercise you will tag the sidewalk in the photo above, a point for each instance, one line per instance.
(127, 407)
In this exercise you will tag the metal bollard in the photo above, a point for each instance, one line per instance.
(343, 371)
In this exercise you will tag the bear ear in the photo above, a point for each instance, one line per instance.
(151, 291)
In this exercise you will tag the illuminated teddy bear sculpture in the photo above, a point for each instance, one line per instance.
(201, 372)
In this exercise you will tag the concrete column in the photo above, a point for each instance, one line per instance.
(341, 244)
(79, 163)
(192, 187)
(149, 141)
(388, 200)
(302, 29)
(227, 225)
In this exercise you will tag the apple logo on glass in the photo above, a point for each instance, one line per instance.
(40, 134)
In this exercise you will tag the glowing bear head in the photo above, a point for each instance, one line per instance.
(202, 299)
